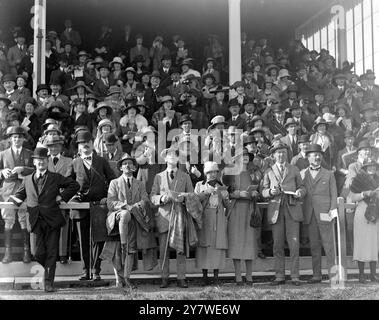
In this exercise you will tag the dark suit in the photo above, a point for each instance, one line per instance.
(100, 88)
(240, 123)
(45, 216)
(285, 218)
(94, 185)
(321, 197)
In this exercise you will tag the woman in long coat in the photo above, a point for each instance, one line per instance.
(365, 189)
(242, 239)
(213, 242)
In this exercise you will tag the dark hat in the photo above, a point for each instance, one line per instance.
(130, 69)
(303, 138)
(56, 82)
(97, 60)
(131, 105)
(15, 130)
(67, 42)
(139, 58)
(339, 75)
(101, 105)
(57, 104)
(271, 66)
(113, 89)
(278, 107)
(277, 145)
(83, 53)
(92, 96)
(185, 117)
(166, 98)
(156, 74)
(110, 138)
(83, 136)
(195, 93)
(209, 75)
(174, 70)
(51, 140)
(349, 134)
(290, 121)
(79, 128)
(319, 122)
(249, 100)
(125, 157)
(103, 65)
(166, 57)
(52, 127)
(42, 87)
(370, 75)
(219, 88)
(40, 153)
(237, 84)
(314, 148)
(21, 76)
(8, 77)
(4, 98)
(233, 102)
(249, 139)
(363, 145)
(62, 58)
(292, 88)
(140, 87)
(295, 105)
(248, 69)
(82, 84)
(188, 62)
(256, 130)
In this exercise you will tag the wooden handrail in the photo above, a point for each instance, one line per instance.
(68, 205)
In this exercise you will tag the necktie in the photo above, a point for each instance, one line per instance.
(17, 153)
(55, 160)
(106, 82)
(129, 184)
(172, 175)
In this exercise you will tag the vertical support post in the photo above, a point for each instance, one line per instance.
(39, 27)
(341, 216)
(234, 40)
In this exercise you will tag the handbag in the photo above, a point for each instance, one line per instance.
(256, 215)
(372, 210)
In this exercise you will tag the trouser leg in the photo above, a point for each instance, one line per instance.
(162, 247)
(181, 266)
(8, 246)
(96, 261)
(83, 227)
(278, 247)
(52, 248)
(237, 269)
(315, 245)
(64, 236)
(249, 270)
(327, 234)
(26, 239)
(292, 235)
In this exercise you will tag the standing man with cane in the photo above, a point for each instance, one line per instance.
(166, 194)
(93, 174)
(319, 208)
(43, 191)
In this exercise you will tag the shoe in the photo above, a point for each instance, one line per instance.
(27, 258)
(261, 255)
(129, 285)
(182, 283)
(164, 283)
(295, 283)
(63, 259)
(362, 279)
(204, 282)
(314, 281)
(278, 282)
(49, 288)
(96, 277)
(374, 278)
(249, 282)
(84, 276)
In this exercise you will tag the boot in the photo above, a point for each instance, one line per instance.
(27, 256)
(215, 277)
(361, 267)
(205, 281)
(373, 276)
(8, 246)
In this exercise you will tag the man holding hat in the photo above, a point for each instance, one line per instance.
(102, 85)
(128, 205)
(283, 186)
(58, 163)
(15, 163)
(167, 193)
(93, 174)
(43, 191)
(319, 208)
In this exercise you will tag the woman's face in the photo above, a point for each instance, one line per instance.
(80, 90)
(321, 128)
(167, 105)
(29, 108)
(240, 90)
(20, 82)
(132, 112)
(80, 108)
(258, 124)
(130, 75)
(341, 112)
(117, 66)
(245, 159)
(106, 129)
(212, 175)
(210, 65)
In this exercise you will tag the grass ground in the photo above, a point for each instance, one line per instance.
(227, 291)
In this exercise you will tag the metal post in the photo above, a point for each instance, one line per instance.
(234, 40)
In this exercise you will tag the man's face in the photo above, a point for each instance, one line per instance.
(166, 63)
(234, 110)
(321, 128)
(167, 105)
(292, 129)
(296, 112)
(280, 156)
(319, 98)
(41, 164)
(110, 147)
(212, 175)
(55, 149)
(368, 115)
(315, 158)
(20, 82)
(104, 72)
(127, 167)
(106, 129)
(155, 81)
(249, 76)
(251, 147)
(139, 41)
(67, 48)
(187, 126)
(55, 88)
(68, 23)
(185, 68)
(364, 153)
(292, 95)
(220, 96)
(340, 82)
(304, 146)
(85, 147)
(175, 77)
(80, 107)
(21, 40)
(17, 140)
(9, 85)
(279, 116)
(249, 108)
(82, 59)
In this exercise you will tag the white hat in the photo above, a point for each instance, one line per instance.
(210, 166)
(329, 117)
(283, 73)
(217, 120)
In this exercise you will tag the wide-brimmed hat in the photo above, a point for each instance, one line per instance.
(8, 77)
(83, 136)
(97, 60)
(132, 105)
(271, 66)
(4, 98)
(113, 89)
(48, 122)
(116, 60)
(42, 87)
(185, 117)
(130, 69)
(187, 62)
(277, 145)
(40, 153)
(283, 73)
(57, 104)
(124, 158)
(101, 105)
(92, 96)
(103, 65)
(210, 166)
(349, 134)
(83, 53)
(169, 151)
(219, 88)
(15, 130)
(52, 127)
(110, 138)
(105, 122)
(314, 147)
(364, 144)
(166, 98)
(290, 121)
(237, 84)
(82, 84)
(292, 88)
(249, 139)
(209, 75)
(217, 120)
(278, 107)
(257, 130)
(52, 140)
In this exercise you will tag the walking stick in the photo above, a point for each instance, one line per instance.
(70, 230)
(169, 228)
(340, 279)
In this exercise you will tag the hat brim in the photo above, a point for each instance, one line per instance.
(39, 157)
(53, 143)
(215, 124)
(281, 147)
(109, 109)
(119, 162)
(317, 124)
